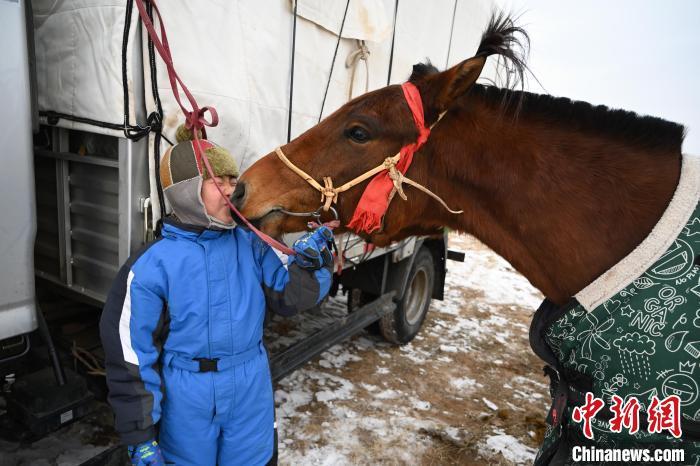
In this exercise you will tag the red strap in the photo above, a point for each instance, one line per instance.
(194, 119)
(375, 199)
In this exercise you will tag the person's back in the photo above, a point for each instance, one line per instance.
(182, 326)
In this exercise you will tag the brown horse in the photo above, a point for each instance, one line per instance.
(561, 189)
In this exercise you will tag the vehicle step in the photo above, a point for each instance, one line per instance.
(284, 363)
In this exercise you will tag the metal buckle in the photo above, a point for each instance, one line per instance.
(207, 365)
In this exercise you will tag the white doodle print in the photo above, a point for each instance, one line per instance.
(696, 289)
(654, 319)
(688, 229)
(682, 384)
(644, 398)
(611, 388)
(601, 433)
(651, 322)
(643, 283)
(696, 321)
(670, 299)
(696, 417)
(693, 349)
(635, 349)
(611, 305)
(600, 367)
(627, 311)
(674, 341)
(677, 261)
(594, 335)
(681, 320)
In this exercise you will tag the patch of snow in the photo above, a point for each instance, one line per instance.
(464, 383)
(448, 349)
(490, 404)
(420, 404)
(510, 447)
(387, 395)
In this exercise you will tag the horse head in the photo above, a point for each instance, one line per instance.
(359, 137)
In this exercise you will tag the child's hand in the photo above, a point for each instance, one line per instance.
(146, 454)
(313, 249)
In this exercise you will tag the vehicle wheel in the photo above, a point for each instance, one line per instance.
(358, 298)
(402, 325)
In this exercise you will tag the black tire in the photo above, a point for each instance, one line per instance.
(402, 325)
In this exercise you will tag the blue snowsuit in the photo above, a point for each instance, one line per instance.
(198, 293)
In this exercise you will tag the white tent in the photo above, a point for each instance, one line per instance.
(237, 57)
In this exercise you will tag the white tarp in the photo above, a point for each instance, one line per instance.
(236, 56)
(365, 19)
(78, 45)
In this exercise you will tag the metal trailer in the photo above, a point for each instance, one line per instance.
(94, 208)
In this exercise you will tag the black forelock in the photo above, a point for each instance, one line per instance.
(421, 70)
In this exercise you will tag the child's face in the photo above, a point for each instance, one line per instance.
(213, 202)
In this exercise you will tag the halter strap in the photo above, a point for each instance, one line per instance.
(393, 167)
(329, 194)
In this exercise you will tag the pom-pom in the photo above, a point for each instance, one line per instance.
(185, 134)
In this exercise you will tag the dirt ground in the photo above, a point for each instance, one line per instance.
(467, 390)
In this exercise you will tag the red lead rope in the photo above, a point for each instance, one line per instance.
(194, 119)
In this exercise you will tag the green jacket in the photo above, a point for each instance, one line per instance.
(635, 331)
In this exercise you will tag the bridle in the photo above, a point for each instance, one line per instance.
(329, 193)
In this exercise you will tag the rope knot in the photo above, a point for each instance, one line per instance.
(328, 193)
(397, 179)
(196, 119)
(352, 60)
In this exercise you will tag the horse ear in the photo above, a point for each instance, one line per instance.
(457, 80)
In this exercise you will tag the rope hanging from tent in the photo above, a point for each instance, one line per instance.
(361, 53)
(330, 74)
(195, 119)
(393, 38)
(158, 132)
(291, 78)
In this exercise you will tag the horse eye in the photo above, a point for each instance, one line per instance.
(357, 134)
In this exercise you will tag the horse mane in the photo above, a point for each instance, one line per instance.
(511, 44)
(623, 125)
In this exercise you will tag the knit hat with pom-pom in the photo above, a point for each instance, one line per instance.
(182, 171)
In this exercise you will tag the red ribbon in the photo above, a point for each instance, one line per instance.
(375, 199)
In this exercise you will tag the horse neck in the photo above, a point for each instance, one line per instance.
(561, 206)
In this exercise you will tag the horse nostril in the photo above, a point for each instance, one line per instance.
(238, 194)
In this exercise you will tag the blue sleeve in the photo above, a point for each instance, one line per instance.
(131, 324)
(290, 288)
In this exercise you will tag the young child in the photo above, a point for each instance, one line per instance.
(188, 376)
